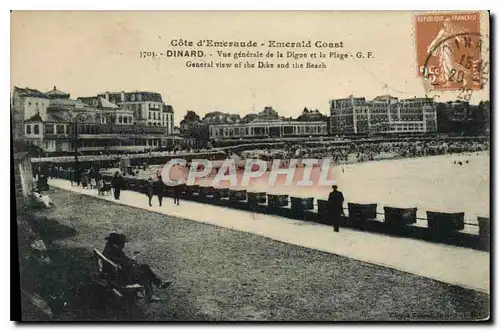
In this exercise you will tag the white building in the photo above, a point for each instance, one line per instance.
(110, 112)
(148, 108)
(384, 114)
(25, 103)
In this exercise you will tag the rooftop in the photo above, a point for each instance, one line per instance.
(55, 118)
(384, 97)
(135, 96)
(27, 92)
(218, 117)
(34, 118)
(57, 94)
(62, 103)
(107, 104)
(168, 109)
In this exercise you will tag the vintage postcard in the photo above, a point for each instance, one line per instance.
(251, 166)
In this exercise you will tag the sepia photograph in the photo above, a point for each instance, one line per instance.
(243, 166)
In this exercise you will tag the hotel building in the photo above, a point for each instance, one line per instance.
(382, 115)
(148, 108)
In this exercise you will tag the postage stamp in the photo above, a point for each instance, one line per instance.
(450, 51)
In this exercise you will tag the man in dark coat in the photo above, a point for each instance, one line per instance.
(77, 176)
(117, 183)
(336, 207)
(149, 190)
(177, 193)
(158, 188)
(129, 270)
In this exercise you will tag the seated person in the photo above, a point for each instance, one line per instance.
(38, 200)
(42, 183)
(129, 270)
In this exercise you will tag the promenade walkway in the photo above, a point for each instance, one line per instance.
(454, 265)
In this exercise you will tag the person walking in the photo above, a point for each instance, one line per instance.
(99, 184)
(117, 184)
(85, 180)
(93, 178)
(158, 189)
(149, 190)
(336, 207)
(77, 175)
(177, 193)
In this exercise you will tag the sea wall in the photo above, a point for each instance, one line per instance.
(447, 228)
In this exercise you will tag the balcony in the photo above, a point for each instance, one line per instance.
(99, 129)
(56, 135)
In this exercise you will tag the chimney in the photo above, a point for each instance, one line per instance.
(106, 95)
(122, 96)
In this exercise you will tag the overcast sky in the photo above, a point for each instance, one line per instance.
(85, 53)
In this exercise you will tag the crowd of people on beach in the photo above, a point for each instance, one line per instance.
(364, 152)
(344, 153)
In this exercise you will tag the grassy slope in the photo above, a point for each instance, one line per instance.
(220, 274)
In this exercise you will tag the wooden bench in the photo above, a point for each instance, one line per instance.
(108, 272)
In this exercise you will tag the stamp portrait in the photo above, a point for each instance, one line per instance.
(449, 51)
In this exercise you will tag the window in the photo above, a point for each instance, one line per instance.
(36, 129)
(49, 129)
(119, 119)
(149, 116)
(28, 129)
(60, 129)
(125, 120)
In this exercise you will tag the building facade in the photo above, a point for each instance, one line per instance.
(267, 124)
(382, 115)
(25, 103)
(91, 124)
(148, 108)
(110, 113)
